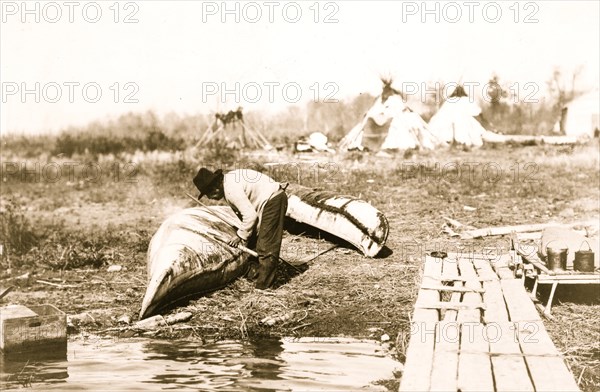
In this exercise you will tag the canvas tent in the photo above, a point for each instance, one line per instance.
(456, 121)
(580, 118)
(389, 125)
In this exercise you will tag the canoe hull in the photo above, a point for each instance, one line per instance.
(346, 217)
(185, 260)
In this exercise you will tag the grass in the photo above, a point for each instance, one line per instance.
(576, 333)
(68, 232)
(52, 245)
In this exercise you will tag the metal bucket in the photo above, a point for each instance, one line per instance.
(556, 259)
(584, 260)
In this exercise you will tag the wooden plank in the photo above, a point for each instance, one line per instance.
(484, 270)
(495, 310)
(499, 355)
(493, 298)
(474, 300)
(456, 289)
(550, 374)
(474, 363)
(573, 273)
(510, 370)
(475, 371)
(534, 339)
(444, 372)
(504, 230)
(546, 367)
(470, 254)
(570, 279)
(519, 304)
(487, 254)
(432, 268)
(419, 358)
(501, 267)
(450, 268)
(453, 305)
(461, 279)
(419, 354)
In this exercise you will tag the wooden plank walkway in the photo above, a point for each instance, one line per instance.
(475, 328)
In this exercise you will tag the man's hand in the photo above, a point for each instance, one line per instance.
(236, 241)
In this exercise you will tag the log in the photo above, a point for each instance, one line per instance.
(505, 230)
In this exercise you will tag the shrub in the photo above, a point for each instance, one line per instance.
(18, 235)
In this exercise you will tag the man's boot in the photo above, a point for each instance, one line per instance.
(266, 272)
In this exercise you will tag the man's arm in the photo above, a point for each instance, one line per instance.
(235, 195)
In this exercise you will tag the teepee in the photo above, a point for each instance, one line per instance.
(234, 132)
(455, 122)
(389, 125)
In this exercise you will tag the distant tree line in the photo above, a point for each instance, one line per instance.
(147, 132)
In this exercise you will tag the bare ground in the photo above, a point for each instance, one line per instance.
(91, 226)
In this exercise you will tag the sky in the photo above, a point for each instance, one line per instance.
(69, 63)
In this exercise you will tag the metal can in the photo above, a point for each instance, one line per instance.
(556, 259)
(584, 261)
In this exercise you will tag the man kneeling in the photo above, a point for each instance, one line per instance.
(260, 202)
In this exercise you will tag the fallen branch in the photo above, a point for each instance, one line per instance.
(5, 290)
(448, 230)
(173, 328)
(152, 324)
(301, 326)
(456, 224)
(61, 286)
(20, 278)
(158, 321)
(80, 319)
(272, 320)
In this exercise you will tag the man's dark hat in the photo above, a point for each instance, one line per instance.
(205, 180)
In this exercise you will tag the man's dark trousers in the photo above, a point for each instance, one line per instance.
(268, 242)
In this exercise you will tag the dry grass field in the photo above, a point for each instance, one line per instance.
(62, 230)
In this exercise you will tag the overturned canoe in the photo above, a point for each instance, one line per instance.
(346, 217)
(187, 258)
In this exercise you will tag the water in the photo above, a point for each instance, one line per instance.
(306, 364)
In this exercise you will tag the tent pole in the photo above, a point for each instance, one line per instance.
(209, 129)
